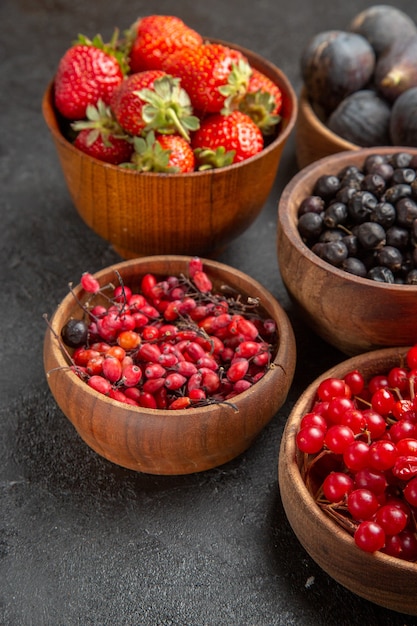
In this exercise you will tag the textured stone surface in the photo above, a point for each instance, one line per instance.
(83, 542)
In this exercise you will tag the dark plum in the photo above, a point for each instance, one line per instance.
(381, 25)
(363, 118)
(335, 64)
(396, 69)
(403, 123)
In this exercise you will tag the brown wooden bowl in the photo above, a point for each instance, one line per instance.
(382, 579)
(167, 441)
(313, 140)
(149, 213)
(354, 314)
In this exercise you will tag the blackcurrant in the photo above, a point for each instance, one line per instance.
(74, 333)
(354, 266)
(311, 204)
(384, 213)
(327, 186)
(310, 225)
(390, 257)
(361, 204)
(381, 274)
(370, 235)
(335, 214)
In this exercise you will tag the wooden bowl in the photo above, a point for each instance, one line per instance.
(170, 441)
(194, 214)
(313, 140)
(382, 579)
(354, 314)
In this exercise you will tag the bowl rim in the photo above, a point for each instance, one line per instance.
(285, 216)
(51, 118)
(285, 330)
(288, 442)
(305, 105)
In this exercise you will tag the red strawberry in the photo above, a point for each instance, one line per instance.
(262, 102)
(87, 72)
(125, 103)
(152, 100)
(156, 37)
(101, 137)
(260, 82)
(235, 132)
(181, 155)
(212, 75)
(162, 153)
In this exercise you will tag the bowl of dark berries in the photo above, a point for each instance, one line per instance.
(348, 475)
(170, 364)
(173, 145)
(347, 247)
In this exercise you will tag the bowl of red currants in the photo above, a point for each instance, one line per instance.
(346, 247)
(169, 364)
(199, 152)
(348, 475)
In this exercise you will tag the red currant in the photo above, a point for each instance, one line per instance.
(369, 536)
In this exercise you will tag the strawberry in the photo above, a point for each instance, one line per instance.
(260, 82)
(89, 70)
(156, 37)
(153, 100)
(162, 153)
(235, 132)
(212, 75)
(262, 102)
(101, 137)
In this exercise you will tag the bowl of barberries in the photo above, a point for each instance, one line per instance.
(347, 234)
(169, 364)
(169, 143)
(348, 475)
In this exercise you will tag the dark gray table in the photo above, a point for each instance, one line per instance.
(84, 542)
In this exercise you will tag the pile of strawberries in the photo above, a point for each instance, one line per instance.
(162, 99)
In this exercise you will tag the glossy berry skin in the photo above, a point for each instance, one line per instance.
(156, 37)
(203, 71)
(127, 106)
(110, 149)
(259, 82)
(181, 155)
(369, 536)
(234, 132)
(74, 333)
(336, 486)
(85, 74)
